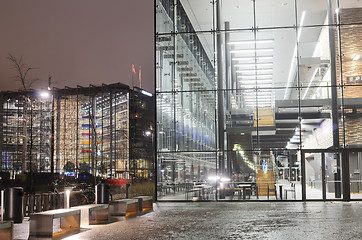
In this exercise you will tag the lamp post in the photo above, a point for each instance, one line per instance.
(149, 133)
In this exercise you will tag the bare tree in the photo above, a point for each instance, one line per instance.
(22, 72)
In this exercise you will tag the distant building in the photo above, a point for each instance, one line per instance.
(106, 131)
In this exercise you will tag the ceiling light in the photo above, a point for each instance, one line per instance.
(253, 71)
(255, 80)
(251, 42)
(251, 58)
(252, 50)
(257, 65)
(259, 84)
(261, 76)
(356, 58)
(259, 100)
(259, 96)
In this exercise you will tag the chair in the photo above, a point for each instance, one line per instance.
(292, 189)
(272, 190)
(254, 189)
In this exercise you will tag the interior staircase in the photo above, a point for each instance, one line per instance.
(262, 179)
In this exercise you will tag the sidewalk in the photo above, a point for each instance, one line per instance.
(221, 220)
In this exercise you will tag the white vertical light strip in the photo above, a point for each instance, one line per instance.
(310, 83)
(301, 25)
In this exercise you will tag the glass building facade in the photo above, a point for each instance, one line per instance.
(258, 99)
(102, 131)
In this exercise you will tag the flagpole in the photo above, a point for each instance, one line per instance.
(132, 73)
(140, 77)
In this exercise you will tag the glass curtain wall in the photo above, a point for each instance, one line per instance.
(244, 89)
(25, 131)
(91, 127)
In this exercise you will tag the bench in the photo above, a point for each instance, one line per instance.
(123, 207)
(41, 224)
(145, 204)
(291, 189)
(6, 230)
(93, 213)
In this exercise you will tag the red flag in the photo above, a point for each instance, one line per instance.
(133, 69)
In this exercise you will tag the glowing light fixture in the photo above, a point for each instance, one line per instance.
(251, 42)
(252, 50)
(261, 76)
(257, 65)
(44, 94)
(252, 58)
(301, 25)
(357, 57)
(256, 70)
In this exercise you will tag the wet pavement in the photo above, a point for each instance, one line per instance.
(243, 220)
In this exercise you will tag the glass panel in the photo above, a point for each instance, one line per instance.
(277, 56)
(352, 80)
(355, 169)
(350, 11)
(164, 16)
(240, 119)
(237, 14)
(287, 121)
(316, 118)
(238, 182)
(313, 175)
(194, 66)
(315, 79)
(266, 175)
(195, 118)
(333, 176)
(186, 176)
(165, 59)
(165, 122)
(351, 61)
(194, 15)
(314, 59)
(289, 175)
(312, 12)
(352, 116)
(275, 13)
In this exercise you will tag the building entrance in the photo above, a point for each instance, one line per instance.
(323, 175)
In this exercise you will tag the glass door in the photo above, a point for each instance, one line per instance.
(313, 175)
(333, 175)
(323, 175)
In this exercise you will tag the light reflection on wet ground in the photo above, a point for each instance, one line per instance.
(222, 220)
(285, 220)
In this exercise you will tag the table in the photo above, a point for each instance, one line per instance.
(244, 186)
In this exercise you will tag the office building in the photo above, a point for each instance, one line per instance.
(258, 99)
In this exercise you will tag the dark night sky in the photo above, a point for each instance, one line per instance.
(77, 42)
